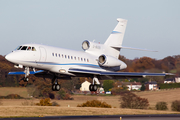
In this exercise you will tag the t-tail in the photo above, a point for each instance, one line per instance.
(112, 45)
(114, 41)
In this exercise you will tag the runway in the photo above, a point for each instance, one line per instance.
(103, 117)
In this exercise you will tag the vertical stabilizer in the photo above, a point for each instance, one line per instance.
(116, 37)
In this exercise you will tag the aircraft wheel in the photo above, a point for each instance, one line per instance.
(95, 87)
(91, 87)
(26, 79)
(53, 87)
(58, 87)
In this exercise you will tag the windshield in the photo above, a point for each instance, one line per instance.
(28, 48)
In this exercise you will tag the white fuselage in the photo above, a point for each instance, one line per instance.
(54, 59)
(95, 57)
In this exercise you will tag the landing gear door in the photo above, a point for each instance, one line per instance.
(42, 55)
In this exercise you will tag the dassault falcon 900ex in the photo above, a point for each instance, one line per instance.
(98, 61)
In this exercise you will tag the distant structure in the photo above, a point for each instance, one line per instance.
(172, 80)
(169, 80)
(152, 85)
(85, 86)
(134, 86)
(130, 85)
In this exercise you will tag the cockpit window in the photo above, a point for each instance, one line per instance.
(24, 48)
(33, 49)
(29, 48)
(19, 48)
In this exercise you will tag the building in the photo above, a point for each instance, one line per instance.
(130, 85)
(172, 80)
(85, 86)
(177, 79)
(169, 80)
(152, 85)
(134, 86)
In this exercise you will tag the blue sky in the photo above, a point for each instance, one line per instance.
(152, 24)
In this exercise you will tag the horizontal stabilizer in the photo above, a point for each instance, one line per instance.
(22, 73)
(132, 48)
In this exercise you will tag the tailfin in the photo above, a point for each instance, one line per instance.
(116, 37)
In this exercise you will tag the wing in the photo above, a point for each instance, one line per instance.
(116, 75)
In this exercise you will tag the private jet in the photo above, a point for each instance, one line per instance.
(97, 61)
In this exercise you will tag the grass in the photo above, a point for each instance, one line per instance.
(8, 111)
(24, 107)
(157, 96)
(22, 91)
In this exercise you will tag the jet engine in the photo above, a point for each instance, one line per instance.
(91, 46)
(85, 45)
(109, 61)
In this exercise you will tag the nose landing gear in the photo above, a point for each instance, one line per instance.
(26, 71)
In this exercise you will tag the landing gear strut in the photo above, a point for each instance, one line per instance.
(93, 87)
(26, 71)
(55, 86)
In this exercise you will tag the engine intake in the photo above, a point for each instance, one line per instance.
(109, 61)
(85, 45)
(102, 59)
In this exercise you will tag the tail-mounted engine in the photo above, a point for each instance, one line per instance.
(109, 61)
(91, 46)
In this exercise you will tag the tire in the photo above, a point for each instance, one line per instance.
(26, 79)
(91, 87)
(53, 87)
(58, 87)
(95, 88)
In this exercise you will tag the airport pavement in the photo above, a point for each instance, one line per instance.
(103, 117)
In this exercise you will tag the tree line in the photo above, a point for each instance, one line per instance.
(170, 64)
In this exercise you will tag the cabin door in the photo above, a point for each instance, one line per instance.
(42, 55)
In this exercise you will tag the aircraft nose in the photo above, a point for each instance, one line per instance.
(9, 57)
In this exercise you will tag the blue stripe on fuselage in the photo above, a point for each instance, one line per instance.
(80, 64)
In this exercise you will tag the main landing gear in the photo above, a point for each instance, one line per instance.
(93, 87)
(55, 86)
